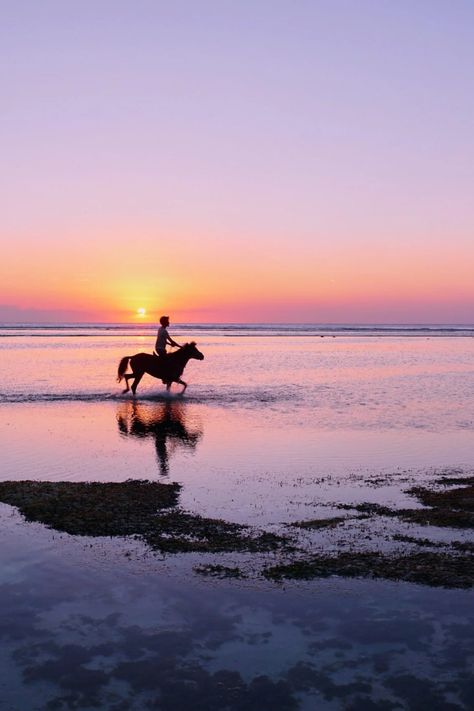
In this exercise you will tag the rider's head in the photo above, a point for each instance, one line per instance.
(165, 321)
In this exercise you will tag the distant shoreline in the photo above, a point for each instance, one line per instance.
(238, 330)
(243, 324)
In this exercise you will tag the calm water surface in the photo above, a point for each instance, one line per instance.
(277, 425)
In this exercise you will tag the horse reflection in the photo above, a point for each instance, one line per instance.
(164, 422)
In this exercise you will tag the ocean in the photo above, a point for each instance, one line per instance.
(280, 423)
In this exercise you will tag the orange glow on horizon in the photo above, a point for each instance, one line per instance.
(320, 280)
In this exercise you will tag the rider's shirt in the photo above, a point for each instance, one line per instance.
(161, 339)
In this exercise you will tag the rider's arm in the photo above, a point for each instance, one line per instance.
(173, 343)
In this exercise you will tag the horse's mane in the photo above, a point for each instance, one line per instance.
(184, 346)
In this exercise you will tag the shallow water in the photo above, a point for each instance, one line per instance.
(277, 425)
(86, 628)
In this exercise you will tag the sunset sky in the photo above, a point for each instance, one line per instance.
(246, 160)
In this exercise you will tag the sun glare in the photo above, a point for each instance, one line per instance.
(141, 312)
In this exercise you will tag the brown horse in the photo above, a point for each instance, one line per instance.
(167, 368)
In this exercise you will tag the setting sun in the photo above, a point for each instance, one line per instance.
(141, 312)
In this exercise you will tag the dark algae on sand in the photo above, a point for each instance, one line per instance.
(443, 507)
(149, 511)
(132, 508)
(436, 569)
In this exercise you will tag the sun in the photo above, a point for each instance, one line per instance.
(141, 312)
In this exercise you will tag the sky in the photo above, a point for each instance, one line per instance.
(245, 160)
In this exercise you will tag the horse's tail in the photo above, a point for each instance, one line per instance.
(122, 368)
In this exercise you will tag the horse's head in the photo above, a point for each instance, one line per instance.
(191, 351)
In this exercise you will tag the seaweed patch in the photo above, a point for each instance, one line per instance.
(435, 569)
(320, 523)
(144, 509)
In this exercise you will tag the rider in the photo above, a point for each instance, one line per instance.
(163, 338)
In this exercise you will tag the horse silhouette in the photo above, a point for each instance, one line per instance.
(164, 423)
(167, 368)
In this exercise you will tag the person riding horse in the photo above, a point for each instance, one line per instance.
(168, 368)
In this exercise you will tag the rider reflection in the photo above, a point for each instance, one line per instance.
(165, 422)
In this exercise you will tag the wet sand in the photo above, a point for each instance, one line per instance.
(115, 597)
(149, 512)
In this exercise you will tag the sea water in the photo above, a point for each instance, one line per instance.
(278, 424)
(271, 409)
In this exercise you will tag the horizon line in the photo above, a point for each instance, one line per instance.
(237, 323)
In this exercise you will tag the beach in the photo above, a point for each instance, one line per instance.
(295, 532)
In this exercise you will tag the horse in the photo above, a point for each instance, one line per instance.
(167, 368)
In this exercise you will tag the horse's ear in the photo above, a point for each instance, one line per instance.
(193, 343)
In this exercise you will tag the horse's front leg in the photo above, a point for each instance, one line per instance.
(181, 382)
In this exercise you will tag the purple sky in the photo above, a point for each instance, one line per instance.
(176, 155)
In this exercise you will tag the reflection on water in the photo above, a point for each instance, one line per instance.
(81, 630)
(164, 422)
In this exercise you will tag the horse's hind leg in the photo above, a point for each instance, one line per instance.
(138, 376)
(127, 378)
